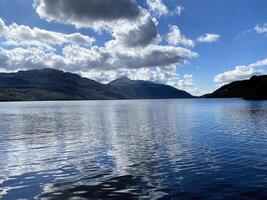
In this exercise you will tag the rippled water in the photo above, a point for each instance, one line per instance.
(147, 149)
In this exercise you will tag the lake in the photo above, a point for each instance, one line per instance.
(137, 149)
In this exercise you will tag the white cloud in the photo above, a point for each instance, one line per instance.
(28, 58)
(112, 56)
(175, 37)
(261, 29)
(240, 73)
(20, 35)
(187, 84)
(178, 10)
(209, 37)
(157, 7)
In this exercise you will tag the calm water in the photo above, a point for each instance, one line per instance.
(147, 149)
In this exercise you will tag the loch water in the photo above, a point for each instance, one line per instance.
(186, 149)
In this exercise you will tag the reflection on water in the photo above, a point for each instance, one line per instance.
(149, 149)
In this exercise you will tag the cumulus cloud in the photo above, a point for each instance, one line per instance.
(84, 13)
(112, 56)
(157, 7)
(132, 47)
(175, 37)
(27, 58)
(261, 29)
(240, 73)
(128, 23)
(209, 37)
(20, 35)
(141, 33)
(187, 84)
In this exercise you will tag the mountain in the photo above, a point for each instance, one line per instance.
(254, 88)
(52, 84)
(147, 90)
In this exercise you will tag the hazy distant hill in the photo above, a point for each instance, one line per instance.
(51, 84)
(147, 90)
(254, 88)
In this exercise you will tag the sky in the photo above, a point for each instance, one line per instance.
(192, 45)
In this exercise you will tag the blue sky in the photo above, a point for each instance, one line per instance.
(168, 32)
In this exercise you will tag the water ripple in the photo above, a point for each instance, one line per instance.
(146, 149)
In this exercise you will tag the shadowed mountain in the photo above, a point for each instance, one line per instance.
(147, 90)
(254, 88)
(51, 84)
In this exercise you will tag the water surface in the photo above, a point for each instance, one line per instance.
(137, 149)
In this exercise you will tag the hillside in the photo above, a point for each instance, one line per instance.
(147, 90)
(51, 84)
(254, 88)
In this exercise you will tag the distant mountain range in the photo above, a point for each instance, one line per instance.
(147, 90)
(51, 84)
(254, 88)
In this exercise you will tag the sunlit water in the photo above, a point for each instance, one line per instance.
(146, 149)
